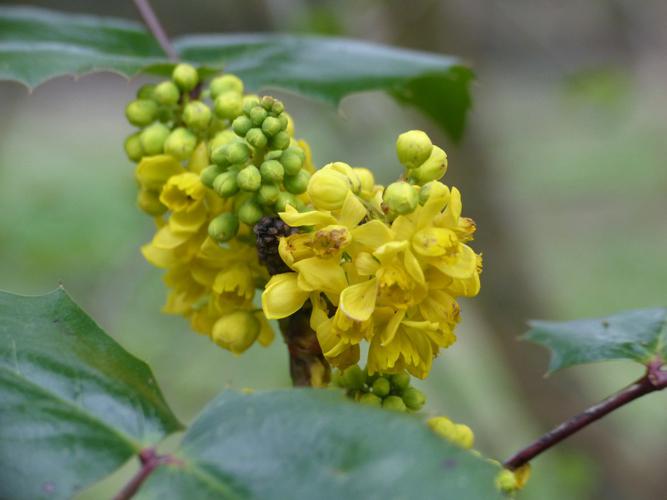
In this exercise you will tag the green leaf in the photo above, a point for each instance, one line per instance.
(308, 443)
(74, 405)
(639, 335)
(38, 44)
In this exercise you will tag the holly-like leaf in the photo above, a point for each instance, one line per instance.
(38, 44)
(302, 444)
(639, 335)
(74, 405)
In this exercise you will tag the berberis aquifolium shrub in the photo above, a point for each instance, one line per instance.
(363, 282)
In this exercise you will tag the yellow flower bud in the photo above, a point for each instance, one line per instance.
(185, 76)
(229, 105)
(197, 115)
(347, 171)
(506, 482)
(413, 148)
(225, 83)
(180, 143)
(464, 436)
(220, 139)
(236, 331)
(432, 169)
(328, 188)
(401, 198)
(367, 182)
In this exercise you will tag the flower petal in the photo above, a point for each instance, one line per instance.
(321, 274)
(352, 212)
(294, 218)
(372, 234)
(358, 301)
(282, 296)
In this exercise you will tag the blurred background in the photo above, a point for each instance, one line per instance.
(562, 167)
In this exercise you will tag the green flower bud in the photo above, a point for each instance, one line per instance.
(249, 178)
(224, 227)
(146, 91)
(432, 169)
(167, 93)
(180, 144)
(153, 137)
(241, 125)
(370, 400)
(381, 387)
(297, 184)
(400, 197)
(236, 153)
(400, 381)
(221, 139)
(281, 140)
(413, 398)
(197, 115)
(250, 102)
(249, 213)
(268, 194)
(209, 174)
(273, 155)
(141, 112)
(257, 115)
(229, 105)
(277, 108)
(284, 199)
(133, 147)
(272, 171)
(225, 184)
(393, 403)
(336, 378)
(354, 377)
(284, 123)
(413, 148)
(225, 83)
(149, 202)
(271, 126)
(185, 76)
(256, 138)
(267, 102)
(292, 159)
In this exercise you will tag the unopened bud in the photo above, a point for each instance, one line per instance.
(225, 184)
(400, 197)
(236, 331)
(180, 144)
(464, 436)
(185, 76)
(413, 148)
(284, 199)
(400, 381)
(272, 171)
(225, 83)
(224, 227)
(229, 105)
(281, 140)
(328, 188)
(271, 126)
(236, 153)
(506, 481)
(257, 115)
(381, 387)
(221, 138)
(268, 194)
(241, 125)
(354, 377)
(393, 403)
(249, 213)
(197, 115)
(370, 400)
(367, 181)
(297, 184)
(166, 93)
(141, 112)
(146, 91)
(256, 138)
(267, 102)
(432, 169)
(292, 159)
(413, 398)
(153, 137)
(250, 101)
(278, 107)
(249, 178)
(133, 147)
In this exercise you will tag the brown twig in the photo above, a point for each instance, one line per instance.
(153, 24)
(655, 379)
(149, 461)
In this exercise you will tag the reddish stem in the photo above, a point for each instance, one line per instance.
(149, 461)
(153, 23)
(654, 380)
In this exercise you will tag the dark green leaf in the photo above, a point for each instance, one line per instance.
(639, 335)
(313, 444)
(38, 44)
(74, 405)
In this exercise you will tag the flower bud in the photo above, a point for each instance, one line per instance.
(277, 107)
(166, 93)
(281, 140)
(271, 126)
(413, 398)
(464, 436)
(241, 125)
(400, 381)
(236, 153)
(222, 138)
(367, 181)
(249, 178)
(506, 481)
(185, 76)
(285, 199)
(249, 212)
(224, 227)
(400, 197)
(297, 184)
(272, 171)
(432, 169)
(393, 403)
(268, 194)
(249, 102)
(225, 184)
(153, 137)
(328, 188)
(180, 144)
(197, 115)
(149, 202)
(229, 105)
(209, 174)
(225, 83)
(257, 115)
(141, 112)
(370, 400)
(267, 102)
(133, 147)
(256, 138)
(381, 387)
(292, 159)
(146, 91)
(413, 148)
(354, 377)
(236, 331)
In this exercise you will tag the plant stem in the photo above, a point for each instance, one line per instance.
(153, 23)
(655, 379)
(149, 461)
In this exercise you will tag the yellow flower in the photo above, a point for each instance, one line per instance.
(152, 172)
(236, 331)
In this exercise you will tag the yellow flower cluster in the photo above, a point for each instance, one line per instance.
(377, 269)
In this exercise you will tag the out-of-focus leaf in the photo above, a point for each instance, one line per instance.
(305, 443)
(639, 335)
(74, 405)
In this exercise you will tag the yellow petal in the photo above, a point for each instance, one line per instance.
(294, 218)
(266, 333)
(413, 267)
(358, 301)
(353, 211)
(403, 227)
(452, 214)
(165, 239)
(462, 266)
(188, 221)
(435, 241)
(282, 297)
(372, 234)
(199, 159)
(389, 250)
(153, 171)
(317, 274)
(366, 264)
(438, 197)
(390, 330)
